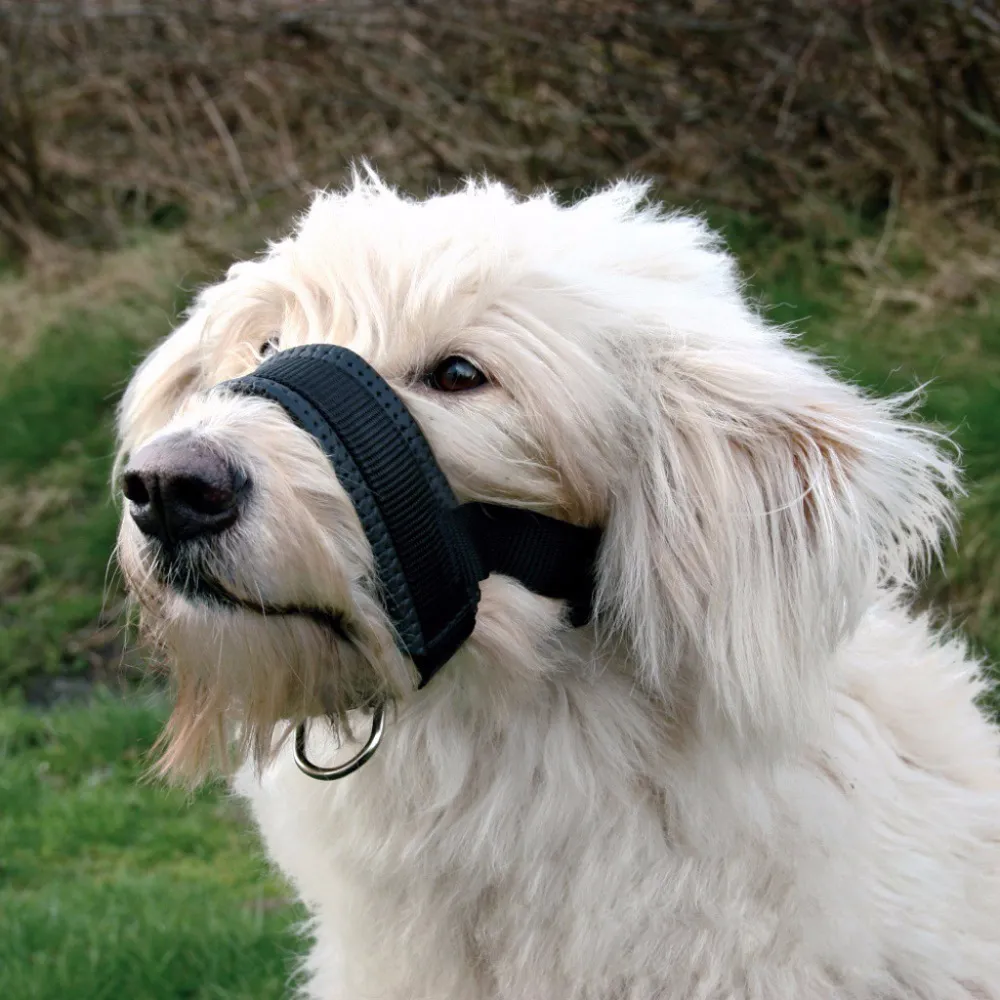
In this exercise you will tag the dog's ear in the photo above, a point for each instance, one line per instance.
(761, 506)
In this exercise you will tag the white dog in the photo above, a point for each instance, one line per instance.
(752, 774)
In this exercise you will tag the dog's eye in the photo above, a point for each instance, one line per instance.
(269, 347)
(455, 374)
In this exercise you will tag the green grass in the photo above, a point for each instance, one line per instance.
(57, 518)
(112, 886)
(56, 408)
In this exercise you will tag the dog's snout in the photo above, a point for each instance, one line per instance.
(178, 488)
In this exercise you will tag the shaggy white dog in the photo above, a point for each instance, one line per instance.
(754, 774)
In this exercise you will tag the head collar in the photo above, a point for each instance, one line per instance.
(430, 551)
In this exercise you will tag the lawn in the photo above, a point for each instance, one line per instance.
(113, 886)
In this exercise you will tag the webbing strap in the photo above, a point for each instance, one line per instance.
(430, 553)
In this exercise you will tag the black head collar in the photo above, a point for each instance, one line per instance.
(430, 551)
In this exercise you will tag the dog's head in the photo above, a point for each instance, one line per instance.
(596, 363)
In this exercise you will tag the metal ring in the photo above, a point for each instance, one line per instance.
(307, 767)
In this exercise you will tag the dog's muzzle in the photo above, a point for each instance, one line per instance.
(430, 552)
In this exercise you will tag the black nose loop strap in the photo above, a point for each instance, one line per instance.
(430, 552)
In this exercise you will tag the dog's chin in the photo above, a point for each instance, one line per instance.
(190, 580)
(244, 666)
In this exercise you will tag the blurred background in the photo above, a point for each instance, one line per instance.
(849, 150)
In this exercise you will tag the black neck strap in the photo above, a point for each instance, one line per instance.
(430, 552)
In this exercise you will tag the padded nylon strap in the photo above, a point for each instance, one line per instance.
(430, 554)
(551, 557)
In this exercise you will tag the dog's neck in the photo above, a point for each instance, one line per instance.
(510, 691)
(514, 683)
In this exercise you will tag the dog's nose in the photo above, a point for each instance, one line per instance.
(178, 488)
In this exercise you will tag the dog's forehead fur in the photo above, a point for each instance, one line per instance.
(568, 309)
(402, 280)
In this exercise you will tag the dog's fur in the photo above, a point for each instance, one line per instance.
(755, 775)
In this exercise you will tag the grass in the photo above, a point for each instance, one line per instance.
(57, 522)
(57, 401)
(112, 886)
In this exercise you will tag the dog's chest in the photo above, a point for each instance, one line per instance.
(558, 890)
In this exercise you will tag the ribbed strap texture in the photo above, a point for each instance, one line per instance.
(426, 569)
(430, 554)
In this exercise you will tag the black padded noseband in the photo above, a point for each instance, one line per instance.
(430, 552)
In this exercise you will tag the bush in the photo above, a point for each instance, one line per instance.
(114, 111)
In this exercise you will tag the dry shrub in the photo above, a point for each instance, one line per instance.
(137, 109)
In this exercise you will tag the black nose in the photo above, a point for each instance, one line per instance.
(178, 488)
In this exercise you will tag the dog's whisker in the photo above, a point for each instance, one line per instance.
(262, 604)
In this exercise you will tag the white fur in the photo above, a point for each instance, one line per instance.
(755, 775)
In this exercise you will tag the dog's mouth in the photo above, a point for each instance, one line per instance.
(189, 578)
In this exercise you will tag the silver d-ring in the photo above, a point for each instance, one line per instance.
(306, 766)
